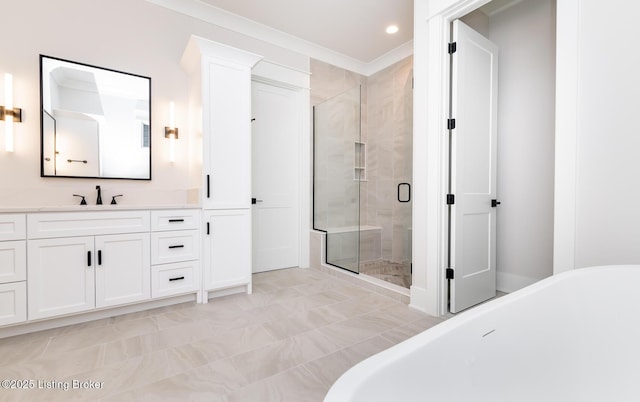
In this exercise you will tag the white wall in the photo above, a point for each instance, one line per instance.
(127, 35)
(607, 217)
(525, 35)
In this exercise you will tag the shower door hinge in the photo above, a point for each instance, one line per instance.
(451, 199)
(451, 124)
(449, 273)
(452, 47)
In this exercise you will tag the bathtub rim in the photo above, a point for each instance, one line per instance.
(348, 384)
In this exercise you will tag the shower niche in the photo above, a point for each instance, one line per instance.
(360, 161)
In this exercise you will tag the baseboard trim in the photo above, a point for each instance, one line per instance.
(509, 283)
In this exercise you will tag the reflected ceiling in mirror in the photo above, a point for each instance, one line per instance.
(95, 122)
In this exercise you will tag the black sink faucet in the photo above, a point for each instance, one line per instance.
(99, 200)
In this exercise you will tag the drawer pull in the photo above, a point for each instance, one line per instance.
(177, 246)
(175, 220)
(178, 278)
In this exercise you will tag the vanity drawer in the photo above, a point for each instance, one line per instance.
(13, 261)
(178, 219)
(13, 303)
(13, 227)
(68, 224)
(176, 278)
(167, 247)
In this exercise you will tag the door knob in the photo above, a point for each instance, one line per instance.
(495, 203)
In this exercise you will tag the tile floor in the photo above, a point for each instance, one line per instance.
(288, 341)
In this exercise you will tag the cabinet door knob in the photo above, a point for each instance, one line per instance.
(88, 258)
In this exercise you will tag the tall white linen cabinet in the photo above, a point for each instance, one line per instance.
(220, 120)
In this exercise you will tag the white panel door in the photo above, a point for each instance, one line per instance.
(473, 168)
(60, 276)
(275, 178)
(123, 269)
(227, 250)
(227, 125)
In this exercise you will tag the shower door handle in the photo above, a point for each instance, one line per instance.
(408, 195)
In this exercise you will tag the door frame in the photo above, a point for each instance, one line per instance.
(432, 27)
(299, 81)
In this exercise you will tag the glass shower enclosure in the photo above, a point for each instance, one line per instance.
(337, 177)
(362, 184)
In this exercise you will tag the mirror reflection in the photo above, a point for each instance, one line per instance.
(95, 121)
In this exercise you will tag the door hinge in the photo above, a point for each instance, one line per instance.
(452, 47)
(451, 124)
(451, 199)
(449, 273)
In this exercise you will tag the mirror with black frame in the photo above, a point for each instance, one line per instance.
(95, 122)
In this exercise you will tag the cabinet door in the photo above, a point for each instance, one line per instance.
(227, 136)
(13, 261)
(123, 269)
(227, 254)
(13, 302)
(60, 276)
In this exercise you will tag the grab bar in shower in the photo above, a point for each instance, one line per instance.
(407, 198)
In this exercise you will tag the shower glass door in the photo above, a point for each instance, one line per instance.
(339, 168)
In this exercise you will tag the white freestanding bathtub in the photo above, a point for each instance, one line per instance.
(571, 337)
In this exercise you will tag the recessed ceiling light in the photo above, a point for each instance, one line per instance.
(391, 29)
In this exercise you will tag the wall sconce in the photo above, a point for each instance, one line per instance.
(171, 132)
(8, 113)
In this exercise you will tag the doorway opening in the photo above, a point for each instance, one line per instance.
(524, 32)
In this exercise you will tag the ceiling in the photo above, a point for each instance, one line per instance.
(354, 28)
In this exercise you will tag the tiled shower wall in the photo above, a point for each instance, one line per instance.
(387, 130)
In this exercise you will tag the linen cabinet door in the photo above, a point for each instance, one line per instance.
(227, 259)
(227, 137)
(60, 276)
(123, 269)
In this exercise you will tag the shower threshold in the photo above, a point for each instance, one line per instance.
(396, 273)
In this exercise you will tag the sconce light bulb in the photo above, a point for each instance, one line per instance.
(172, 115)
(8, 91)
(172, 148)
(8, 99)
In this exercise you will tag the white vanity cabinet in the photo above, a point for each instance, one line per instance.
(13, 269)
(227, 249)
(79, 261)
(220, 103)
(175, 252)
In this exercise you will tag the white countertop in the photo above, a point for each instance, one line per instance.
(93, 208)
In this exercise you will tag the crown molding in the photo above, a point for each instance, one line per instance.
(391, 57)
(233, 22)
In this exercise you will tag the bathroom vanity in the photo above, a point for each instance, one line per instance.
(64, 265)
(60, 263)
